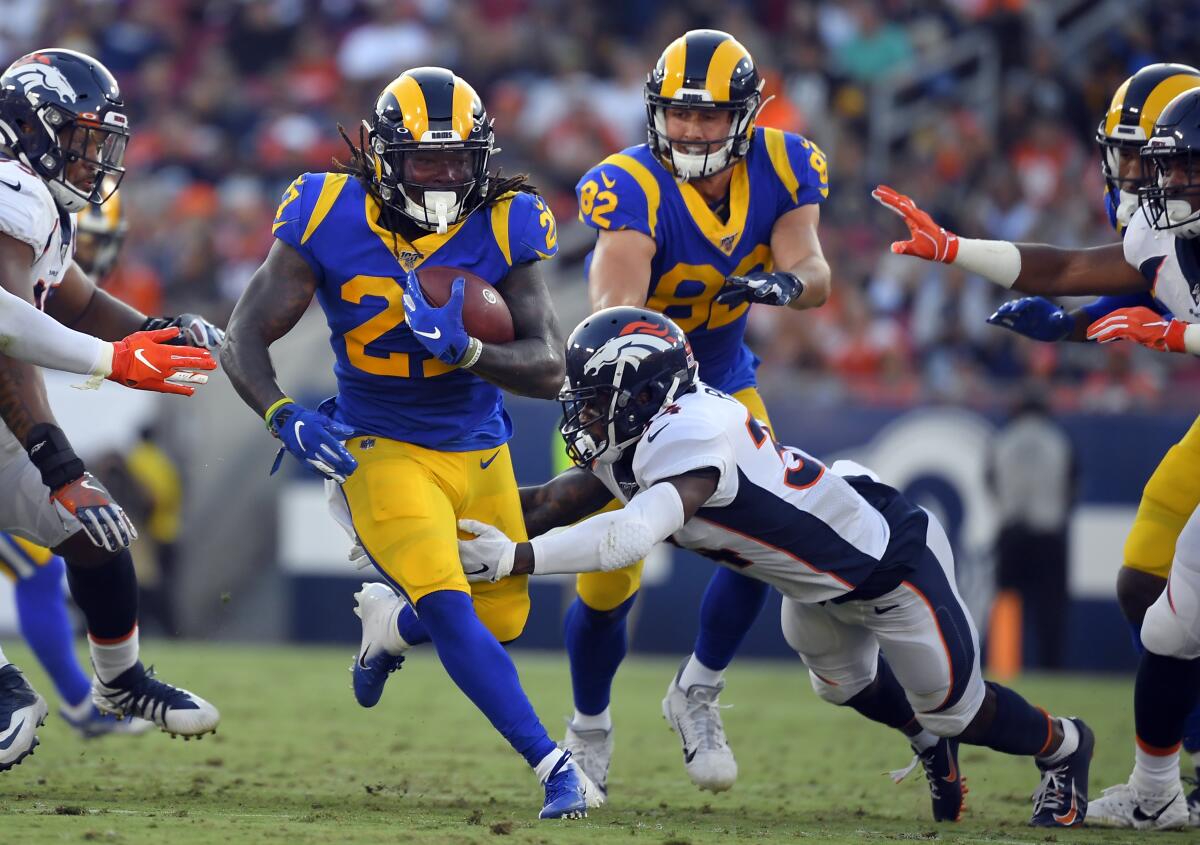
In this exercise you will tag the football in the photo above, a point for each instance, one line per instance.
(485, 313)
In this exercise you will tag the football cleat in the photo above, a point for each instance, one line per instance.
(1124, 805)
(567, 790)
(947, 786)
(96, 724)
(592, 751)
(137, 693)
(695, 715)
(1061, 799)
(375, 604)
(21, 712)
(1193, 801)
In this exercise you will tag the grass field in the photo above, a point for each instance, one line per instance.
(297, 761)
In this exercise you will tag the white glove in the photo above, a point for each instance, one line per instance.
(489, 557)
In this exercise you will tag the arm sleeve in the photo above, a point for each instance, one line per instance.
(612, 199)
(611, 540)
(30, 335)
(533, 232)
(1105, 305)
(291, 217)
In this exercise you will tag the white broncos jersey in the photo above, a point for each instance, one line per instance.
(1169, 263)
(778, 514)
(28, 213)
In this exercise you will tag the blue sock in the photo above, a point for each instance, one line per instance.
(1165, 692)
(1191, 731)
(883, 700)
(595, 648)
(483, 670)
(731, 604)
(1017, 726)
(410, 627)
(42, 613)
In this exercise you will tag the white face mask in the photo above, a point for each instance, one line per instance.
(1184, 221)
(691, 165)
(1126, 207)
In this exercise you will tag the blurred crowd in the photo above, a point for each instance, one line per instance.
(230, 99)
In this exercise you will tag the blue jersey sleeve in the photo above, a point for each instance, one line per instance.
(532, 231)
(1105, 305)
(801, 167)
(619, 193)
(291, 217)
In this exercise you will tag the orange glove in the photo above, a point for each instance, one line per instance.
(929, 240)
(143, 361)
(1142, 325)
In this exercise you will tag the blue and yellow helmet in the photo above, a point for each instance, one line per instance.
(703, 69)
(100, 231)
(429, 140)
(1129, 123)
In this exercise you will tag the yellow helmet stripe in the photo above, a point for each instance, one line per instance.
(463, 109)
(1163, 93)
(411, 99)
(1116, 107)
(675, 59)
(720, 68)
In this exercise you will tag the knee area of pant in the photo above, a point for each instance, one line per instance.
(838, 691)
(607, 591)
(1164, 634)
(947, 723)
(505, 624)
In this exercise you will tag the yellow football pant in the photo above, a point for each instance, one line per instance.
(1170, 496)
(406, 501)
(20, 558)
(608, 590)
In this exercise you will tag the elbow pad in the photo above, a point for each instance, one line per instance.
(625, 543)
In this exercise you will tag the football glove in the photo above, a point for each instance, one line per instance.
(439, 330)
(487, 557)
(104, 521)
(761, 287)
(1034, 317)
(1141, 325)
(929, 240)
(145, 361)
(194, 330)
(313, 438)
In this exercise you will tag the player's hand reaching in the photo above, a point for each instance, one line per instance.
(487, 557)
(1141, 325)
(1034, 317)
(313, 438)
(929, 240)
(146, 361)
(104, 521)
(194, 330)
(761, 287)
(439, 329)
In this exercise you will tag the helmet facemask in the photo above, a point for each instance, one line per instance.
(1125, 173)
(704, 158)
(1172, 198)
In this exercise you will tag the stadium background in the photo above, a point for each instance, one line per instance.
(984, 109)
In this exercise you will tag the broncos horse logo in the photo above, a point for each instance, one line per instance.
(627, 350)
(35, 75)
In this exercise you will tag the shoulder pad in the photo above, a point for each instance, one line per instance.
(620, 192)
(524, 228)
(800, 166)
(27, 211)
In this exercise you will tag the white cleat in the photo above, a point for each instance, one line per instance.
(21, 712)
(1125, 806)
(695, 715)
(376, 605)
(591, 750)
(137, 693)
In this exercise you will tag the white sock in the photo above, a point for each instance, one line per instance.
(601, 721)
(1155, 772)
(546, 766)
(923, 741)
(696, 672)
(1069, 744)
(395, 643)
(78, 712)
(111, 659)
(3, 659)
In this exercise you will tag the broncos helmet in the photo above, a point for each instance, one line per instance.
(60, 109)
(430, 139)
(1129, 123)
(1171, 199)
(99, 233)
(624, 365)
(703, 69)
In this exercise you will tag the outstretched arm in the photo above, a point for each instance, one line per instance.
(563, 500)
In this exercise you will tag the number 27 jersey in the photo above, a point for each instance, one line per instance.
(696, 250)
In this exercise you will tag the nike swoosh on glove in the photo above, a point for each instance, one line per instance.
(929, 240)
(147, 361)
(440, 330)
(487, 557)
(313, 438)
(762, 287)
(104, 521)
(194, 330)
(1034, 317)
(1141, 325)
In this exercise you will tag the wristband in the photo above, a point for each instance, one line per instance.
(275, 406)
(474, 350)
(51, 453)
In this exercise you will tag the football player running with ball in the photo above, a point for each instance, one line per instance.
(62, 142)
(710, 216)
(416, 436)
(1161, 257)
(869, 599)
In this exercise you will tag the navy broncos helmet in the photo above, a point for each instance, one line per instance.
(1172, 198)
(60, 109)
(624, 365)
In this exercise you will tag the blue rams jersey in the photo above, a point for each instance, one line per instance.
(695, 249)
(388, 384)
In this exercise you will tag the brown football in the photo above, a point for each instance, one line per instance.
(485, 313)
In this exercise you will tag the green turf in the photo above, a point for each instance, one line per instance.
(297, 761)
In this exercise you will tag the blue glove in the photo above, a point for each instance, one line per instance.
(761, 287)
(439, 330)
(1034, 317)
(313, 438)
